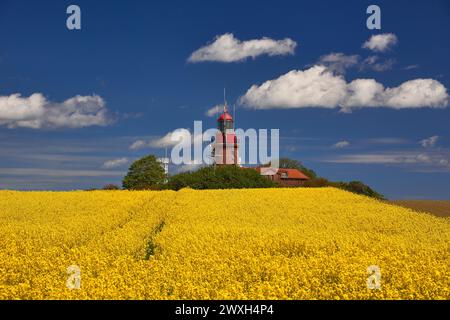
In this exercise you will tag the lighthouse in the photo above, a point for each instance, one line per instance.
(225, 146)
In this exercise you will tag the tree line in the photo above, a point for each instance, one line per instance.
(148, 174)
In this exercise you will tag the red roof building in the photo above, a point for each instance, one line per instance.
(285, 177)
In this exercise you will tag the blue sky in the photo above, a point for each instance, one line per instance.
(129, 67)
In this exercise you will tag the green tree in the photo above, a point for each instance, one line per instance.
(111, 186)
(359, 188)
(145, 173)
(226, 177)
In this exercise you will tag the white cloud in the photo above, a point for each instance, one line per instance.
(37, 112)
(412, 66)
(73, 173)
(138, 144)
(429, 142)
(416, 93)
(367, 159)
(362, 93)
(423, 158)
(338, 62)
(213, 111)
(226, 48)
(386, 141)
(341, 144)
(110, 164)
(161, 142)
(377, 64)
(169, 140)
(408, 158)
(381, 42)
(157, 143)
(319, 87)
(314, 87)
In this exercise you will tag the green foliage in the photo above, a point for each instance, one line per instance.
(225, 177)
(317, 183)
(151, 245)
(111, 186)
(145, 173)
(352, 186)
(359, 188)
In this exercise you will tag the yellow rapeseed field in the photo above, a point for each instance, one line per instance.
(218, 244)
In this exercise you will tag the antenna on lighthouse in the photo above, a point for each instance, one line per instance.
(224, 100)
(234, 116)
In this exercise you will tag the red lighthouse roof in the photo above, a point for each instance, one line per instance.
(225, 116)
